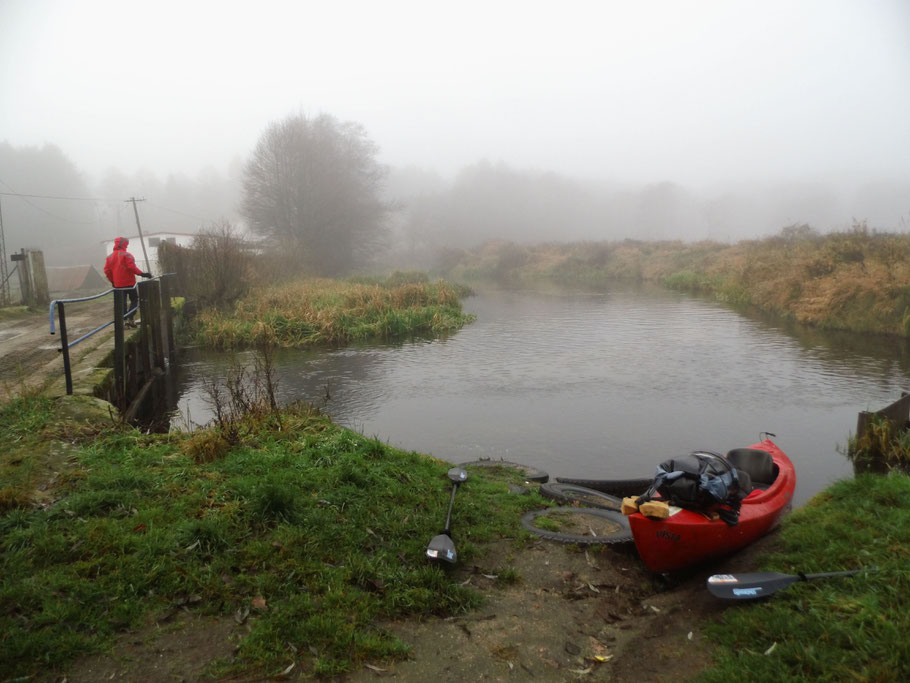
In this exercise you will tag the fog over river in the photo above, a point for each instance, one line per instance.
(597, 384)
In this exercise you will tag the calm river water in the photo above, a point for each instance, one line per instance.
(604, 384)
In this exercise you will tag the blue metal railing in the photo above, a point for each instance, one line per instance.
(88, 298)
(65, 344)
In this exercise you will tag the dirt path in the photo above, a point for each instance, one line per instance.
(29, 356)
(574, 615)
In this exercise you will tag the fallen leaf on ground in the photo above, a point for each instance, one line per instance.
(259, 603)
(582, 672)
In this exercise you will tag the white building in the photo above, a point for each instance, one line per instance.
(152, 240)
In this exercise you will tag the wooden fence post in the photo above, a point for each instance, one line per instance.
(168, 318)
(897, 413)
(38, 277)
(25, 280)
(145, 319)
(119, 349)
(156, 329)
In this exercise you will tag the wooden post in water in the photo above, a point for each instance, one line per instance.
(132, 368)
(155, 328)
(168, 318)
(119, 349)
(898, 413)
(145, 315)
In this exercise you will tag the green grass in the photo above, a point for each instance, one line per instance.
(14, 312)
(842, 629)
(319, 534)
(318, 531)
(319, 311)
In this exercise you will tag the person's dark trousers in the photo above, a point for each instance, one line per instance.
(132, 296)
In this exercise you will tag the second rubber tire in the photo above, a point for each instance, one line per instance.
(581, 495)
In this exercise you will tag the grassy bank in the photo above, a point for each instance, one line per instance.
(842, 629)
(857, 280)
(306, 532)
(321, 311)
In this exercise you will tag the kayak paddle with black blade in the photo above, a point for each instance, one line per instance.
(441, 546)
(760, 585)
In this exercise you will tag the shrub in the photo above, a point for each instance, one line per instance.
(206, 446)
(215, 271)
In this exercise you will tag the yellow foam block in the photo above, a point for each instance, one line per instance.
(629, 505)
(656, 509)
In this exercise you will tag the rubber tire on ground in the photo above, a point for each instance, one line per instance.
(613, 487)
(572, 493)
(623, 535)
(530, 473)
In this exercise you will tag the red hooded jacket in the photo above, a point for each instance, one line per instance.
(120, 267)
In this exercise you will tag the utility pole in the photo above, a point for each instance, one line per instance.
(4, 276)
(133, 200)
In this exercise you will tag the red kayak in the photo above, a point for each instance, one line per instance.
(686, 538)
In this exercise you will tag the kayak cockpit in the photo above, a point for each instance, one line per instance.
(757, 463)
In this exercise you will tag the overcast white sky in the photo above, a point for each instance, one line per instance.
(697, 92)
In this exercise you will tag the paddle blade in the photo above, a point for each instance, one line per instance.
(457, 474)
(748, 586)
(442, 548)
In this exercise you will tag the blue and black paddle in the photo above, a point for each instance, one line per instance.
(761, 585)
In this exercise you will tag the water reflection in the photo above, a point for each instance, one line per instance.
(596, 384)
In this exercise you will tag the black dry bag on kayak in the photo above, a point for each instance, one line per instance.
(701, 481)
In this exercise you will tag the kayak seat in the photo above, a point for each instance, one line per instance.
(756, 463)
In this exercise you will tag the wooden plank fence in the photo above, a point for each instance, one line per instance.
(898, 412)
(899, 415)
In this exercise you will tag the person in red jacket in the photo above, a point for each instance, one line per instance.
(121, 269)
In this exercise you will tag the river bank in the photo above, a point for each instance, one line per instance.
(299, 549)
(856, 280)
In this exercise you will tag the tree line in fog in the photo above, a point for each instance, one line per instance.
(314, 189)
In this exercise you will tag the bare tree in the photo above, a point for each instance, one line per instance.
(216, 270)
(312, 186)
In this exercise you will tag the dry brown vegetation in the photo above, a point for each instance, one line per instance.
(853, 280)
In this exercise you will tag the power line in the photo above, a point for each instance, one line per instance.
(44, 211)
(49, 196)
(25, 197)
(179, 213)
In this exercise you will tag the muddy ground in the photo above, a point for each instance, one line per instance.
(30, 359)
(593, 615)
